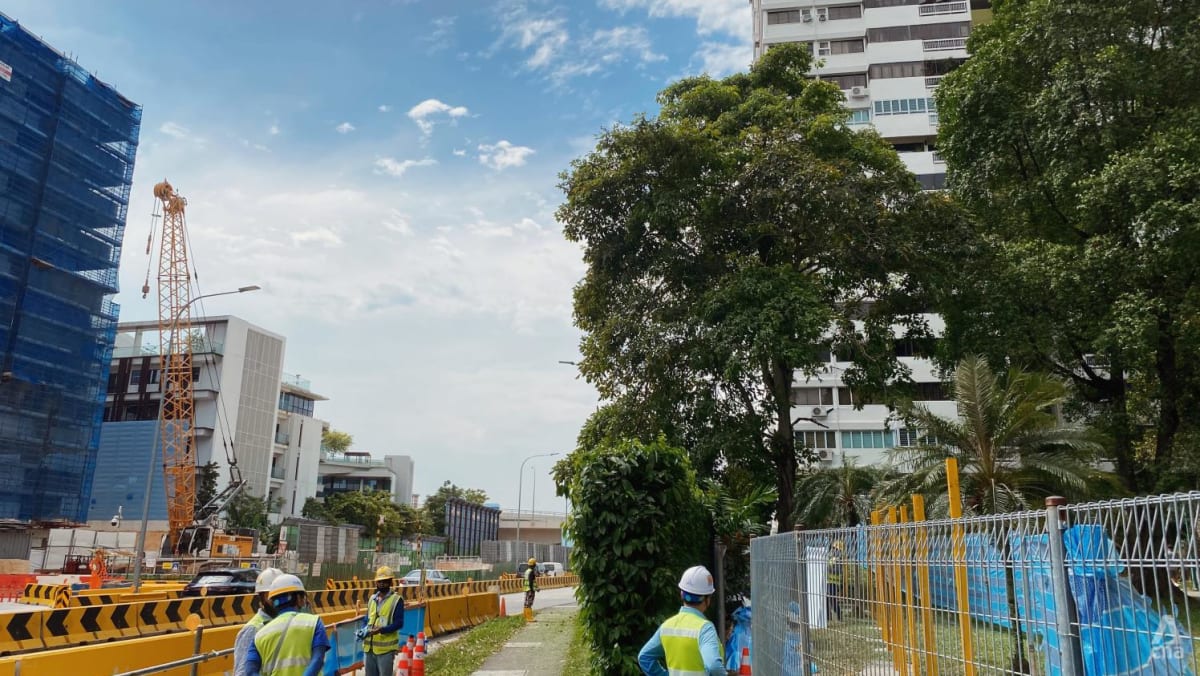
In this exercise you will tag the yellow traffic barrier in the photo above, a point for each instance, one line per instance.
(21, 631)
(49, 595)
(64, 627)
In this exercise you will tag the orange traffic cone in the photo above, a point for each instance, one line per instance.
(418, 663)
(402, 665)
(410, 646)
(503, 610)
(744, 669)
(419, 649)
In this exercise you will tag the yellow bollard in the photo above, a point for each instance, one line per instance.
(958, 540)
(906, 552)
(925, 587)
(896, 616)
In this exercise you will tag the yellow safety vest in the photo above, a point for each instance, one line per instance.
(834, 571)
(680, 637)
(381, 644)
(260, 618)
(285, 644)
(529, 575)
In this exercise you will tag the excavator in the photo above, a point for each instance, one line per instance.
(192, 532)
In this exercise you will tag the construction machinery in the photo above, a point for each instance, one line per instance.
(191, 532)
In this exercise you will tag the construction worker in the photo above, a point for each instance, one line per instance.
(245, 637)
(293, 643)
(385, 617)
(531, 575)
(833, 577)
(687, 643)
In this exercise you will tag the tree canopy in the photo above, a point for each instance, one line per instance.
(1078, 158)
(336, 441)
(730, 242)
(435, 505)
(364, 509)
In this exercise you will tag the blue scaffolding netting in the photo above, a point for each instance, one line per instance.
(67, 146)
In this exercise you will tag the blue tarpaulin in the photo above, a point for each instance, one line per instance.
(739, 638)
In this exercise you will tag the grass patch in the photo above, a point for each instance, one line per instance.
(579, 653)
(464, 656)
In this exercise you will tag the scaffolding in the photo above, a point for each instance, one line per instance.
(67, 146)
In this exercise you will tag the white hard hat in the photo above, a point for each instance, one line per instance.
(697, 580)
(285, 584)
(265, 578)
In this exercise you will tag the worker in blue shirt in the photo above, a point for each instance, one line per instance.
(294, 642)
(385, 618)
(687, 643)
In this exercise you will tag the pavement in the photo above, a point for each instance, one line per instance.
(537, 649)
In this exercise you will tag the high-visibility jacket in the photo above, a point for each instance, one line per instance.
(530, 575)
(260, 618)
(380, 615)
(285, 644)
(680, 637)
(834, 569)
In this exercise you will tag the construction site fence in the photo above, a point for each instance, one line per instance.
(1093, 589)
(511, 552)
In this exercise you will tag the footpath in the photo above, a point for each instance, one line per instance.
(537, 649)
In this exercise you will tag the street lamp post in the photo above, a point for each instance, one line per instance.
(140, 547)
(520, 481)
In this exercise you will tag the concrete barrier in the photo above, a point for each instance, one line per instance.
(49, 595)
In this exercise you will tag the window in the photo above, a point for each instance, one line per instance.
(932, 181)
(848, 398)
(904, 106)
(933, 392)
(928, 31)
(848, 81)
(894, 70)
(783, 16)
(866, 439)
(907, 438)
(135, 378)
(860, 116)
(914, 347)
(294, 404)
(812, 396)
(845, 12)
(816, 439)
(872, 4)
(852, 46)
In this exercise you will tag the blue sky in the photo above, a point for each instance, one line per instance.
(387, 172)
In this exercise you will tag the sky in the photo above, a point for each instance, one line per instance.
(388, 172)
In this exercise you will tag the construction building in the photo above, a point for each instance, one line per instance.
(67, 146)
(246, 409)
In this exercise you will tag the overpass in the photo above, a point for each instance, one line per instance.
(543, 528)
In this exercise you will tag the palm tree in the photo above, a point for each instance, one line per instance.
(1011, 446)
(1011, 449)
(837, 496)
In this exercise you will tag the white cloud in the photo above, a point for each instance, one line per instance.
(731, 17)
(397, 168)
(397, 223)
(615, 44)
(273, 130)
(345, 128)
(175, 130)
(459, 152)
(503, 155)
(425, 113)
(719, 59)
(385, 108)
(319, 236)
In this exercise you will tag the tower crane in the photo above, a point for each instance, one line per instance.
(177, 420)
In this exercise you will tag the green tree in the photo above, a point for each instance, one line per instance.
(836, 496)
(206, 484)
(729, 241)
(365, 509)
(315, 509)
(1078, 158)
(637, 522)
(1010, 445)
(336, 441)
(249, 511)
(435, 505)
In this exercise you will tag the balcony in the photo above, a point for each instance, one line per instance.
(943, 8)
(277, 472)
(296, 381)
(199, 346)
(932, 81)
(283, 438)
(943, 44)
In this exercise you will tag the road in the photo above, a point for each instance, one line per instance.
(514, 604)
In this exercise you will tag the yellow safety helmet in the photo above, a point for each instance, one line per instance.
(285, 584)
(383, 573)
(533, 562)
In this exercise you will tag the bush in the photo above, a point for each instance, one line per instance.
(637, 524)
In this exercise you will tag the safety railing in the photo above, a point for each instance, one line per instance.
(944, 44)
(1080, 590)
(942, 8)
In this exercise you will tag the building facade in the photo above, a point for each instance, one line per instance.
(469, 525)
(887, 56)
(67, 146)
(237, 377)
(359, 471)
(297, 454)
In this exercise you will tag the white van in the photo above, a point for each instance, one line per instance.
(551, 568)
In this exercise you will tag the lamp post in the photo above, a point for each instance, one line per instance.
(140, 547)
(520, 481)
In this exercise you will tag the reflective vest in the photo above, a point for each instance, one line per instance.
(529, 575)
(378, 616)
(285, 644)
(260, 618)
(680, 637)
(834, 569)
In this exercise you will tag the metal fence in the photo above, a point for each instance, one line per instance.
(1093, 589)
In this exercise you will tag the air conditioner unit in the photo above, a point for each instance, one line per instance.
(859, 92)
(824, 455)
(821, 14)
(806, 16)
(818, 412)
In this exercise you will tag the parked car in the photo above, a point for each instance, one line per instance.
(413, 578)
(552, 569)
(521, 568)
(221, 582)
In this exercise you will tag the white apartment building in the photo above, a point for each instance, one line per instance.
(830, 424)
(360, 471)
(296, 457)
(887, 56)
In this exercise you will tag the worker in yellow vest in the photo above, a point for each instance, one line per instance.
(294, 642)
(385, 617)
(264, 614)
(687, 642)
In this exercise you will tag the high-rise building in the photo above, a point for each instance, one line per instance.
(238, 381)
(297, 454)
(67, 146)
(887, 56)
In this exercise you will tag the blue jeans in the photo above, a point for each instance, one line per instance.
(379, 665)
